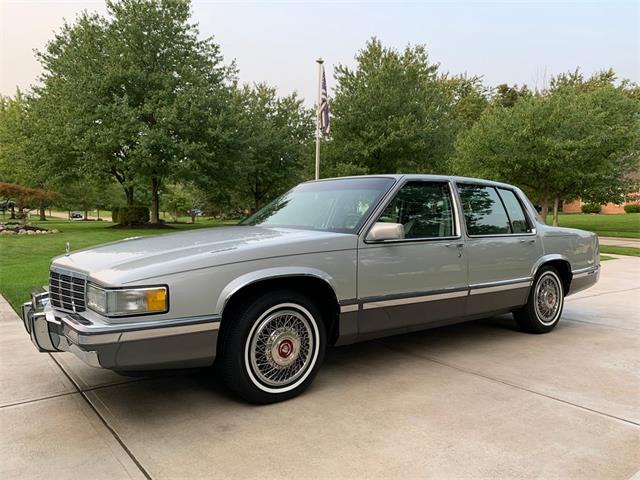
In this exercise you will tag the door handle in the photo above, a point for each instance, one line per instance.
(530, 241)
(456, 245)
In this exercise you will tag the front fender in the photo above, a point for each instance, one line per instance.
(276, 272)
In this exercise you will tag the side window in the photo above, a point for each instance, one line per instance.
(484, 213)
(519, 223)
(424, 209)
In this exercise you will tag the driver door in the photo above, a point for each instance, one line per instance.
(408, 283)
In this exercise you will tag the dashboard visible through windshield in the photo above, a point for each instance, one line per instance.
(340, 205)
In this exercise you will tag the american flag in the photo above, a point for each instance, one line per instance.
(323, 111)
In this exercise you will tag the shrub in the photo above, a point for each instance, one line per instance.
(590, 208)
(632, 208)
(134, 215)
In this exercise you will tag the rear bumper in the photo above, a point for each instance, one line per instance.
(176, 343)
(583, 278)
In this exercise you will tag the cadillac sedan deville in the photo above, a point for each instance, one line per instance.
(331, 262)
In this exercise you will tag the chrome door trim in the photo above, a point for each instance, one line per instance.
(349, 308)
(425, 297)
(500, 286)
(584, 272)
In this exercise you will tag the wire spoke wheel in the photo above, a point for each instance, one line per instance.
(281, 347)
(548, 298)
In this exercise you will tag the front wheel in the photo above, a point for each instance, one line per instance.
(273, 347)
(544, 306)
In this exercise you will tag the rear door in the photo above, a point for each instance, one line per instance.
(421, 279)
(502, 247)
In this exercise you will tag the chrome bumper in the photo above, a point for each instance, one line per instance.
(177, 343)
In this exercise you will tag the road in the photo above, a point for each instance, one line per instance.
(477, 400)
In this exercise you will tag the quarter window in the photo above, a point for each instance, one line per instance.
(424, 209)
(519, 223)
(484, 213)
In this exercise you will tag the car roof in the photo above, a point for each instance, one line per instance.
(417, 176)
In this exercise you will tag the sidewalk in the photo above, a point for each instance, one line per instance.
(620, 242)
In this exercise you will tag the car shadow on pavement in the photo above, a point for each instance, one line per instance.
(383, 356)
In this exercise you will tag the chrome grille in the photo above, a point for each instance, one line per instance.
(67, 292)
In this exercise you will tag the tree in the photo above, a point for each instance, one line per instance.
(560, 143)
(182, 198)
(133, 95)
(507, 96)
(22, 158)
(273, 136)
(390, 113)
(467, 99)
(25, 198)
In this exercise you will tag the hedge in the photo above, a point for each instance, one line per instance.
(632, 208)
(590, 208)
(134, 215)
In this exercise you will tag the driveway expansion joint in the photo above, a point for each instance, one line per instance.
(507, 383)
(104, 422)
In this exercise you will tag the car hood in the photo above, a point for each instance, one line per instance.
(135, 259)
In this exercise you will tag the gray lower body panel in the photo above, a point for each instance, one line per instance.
(189, 342)
(583, 279)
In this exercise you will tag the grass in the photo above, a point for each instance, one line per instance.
(24, 260)
(604, 258)
(631, 251)
(623, 225)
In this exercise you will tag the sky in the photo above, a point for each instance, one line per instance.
(278, 41)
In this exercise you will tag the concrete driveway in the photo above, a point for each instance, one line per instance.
(478, 400)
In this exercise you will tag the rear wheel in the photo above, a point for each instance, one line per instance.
(273, 347)
(544, 306)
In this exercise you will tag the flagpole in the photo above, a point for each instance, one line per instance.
(319, 61)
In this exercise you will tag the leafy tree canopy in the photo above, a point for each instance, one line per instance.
(390, 113)
(579, 136)
(135, 94)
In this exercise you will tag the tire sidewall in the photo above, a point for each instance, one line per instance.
(316, 350)
(545, 272)
(237, 361)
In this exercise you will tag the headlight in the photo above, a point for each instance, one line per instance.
(131, 301)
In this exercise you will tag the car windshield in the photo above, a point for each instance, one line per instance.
(339, 205)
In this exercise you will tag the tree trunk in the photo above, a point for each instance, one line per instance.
(86, 215)
(556, 204)
(13, 212)
(128, 191)
(544, 209)
(43, 214)
(98, 217)
(155, 185)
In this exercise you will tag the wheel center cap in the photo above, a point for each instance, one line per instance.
(285, 349)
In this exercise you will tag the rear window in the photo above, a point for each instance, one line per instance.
(519, 222)
(484, 213)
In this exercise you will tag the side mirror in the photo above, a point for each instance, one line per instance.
(385, 231)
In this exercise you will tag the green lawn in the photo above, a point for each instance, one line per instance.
(24, 260)
(632, 251)
(624, 225)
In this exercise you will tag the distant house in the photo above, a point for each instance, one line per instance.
(609, 208)
(576, 207)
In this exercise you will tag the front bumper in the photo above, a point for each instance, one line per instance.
(136, 345)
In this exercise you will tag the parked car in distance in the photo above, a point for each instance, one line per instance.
(76, 215)
(330, 262)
